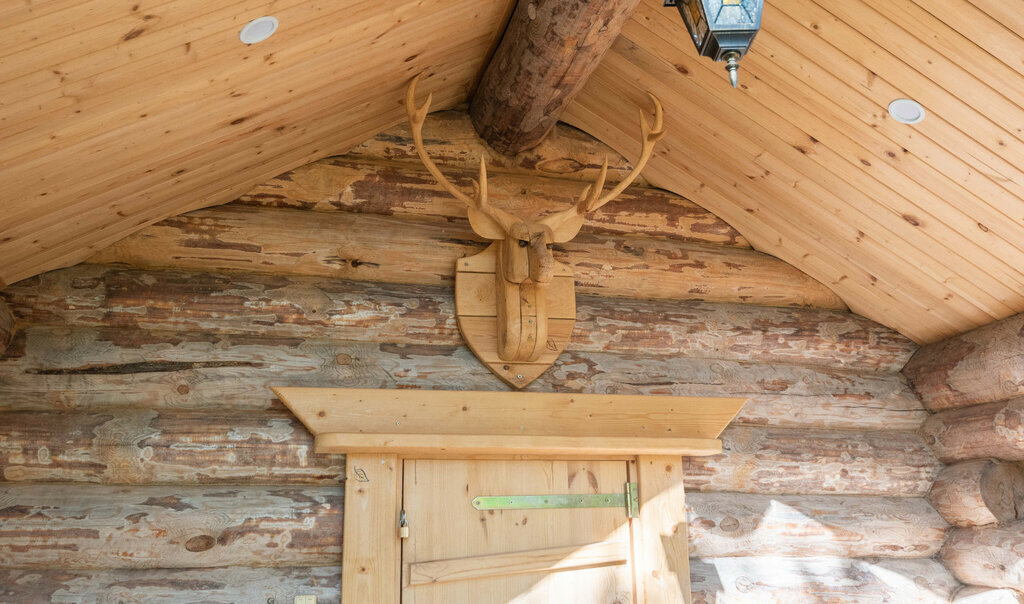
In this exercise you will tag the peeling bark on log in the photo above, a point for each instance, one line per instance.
(398, 250)
(991, 556)
(781, 461)
(94, 369)
(980, 366)
(817, 580)
(393, 188)
(548, 51)
(150, 447)
(317, 308)
(734, 524)
(989, 430)
(270, 447)
(985, 595)
(94, 527)
(979, 492)
(6, 327)
(208, 585)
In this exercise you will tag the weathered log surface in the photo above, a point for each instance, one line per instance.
(99, 527)
(819, 579)
(6, 326)
(54, 367)
(365, 247)
(986, 595)
(149, 447)
(815, 462)
(173, 586)
(318, 308)
(979, 492)
(734, 524)
(991, 556)
(548, 51)
(980, 366)
(271, 447)
(398, 188)
(989, 430)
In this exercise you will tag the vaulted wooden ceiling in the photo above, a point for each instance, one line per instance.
(116, 114)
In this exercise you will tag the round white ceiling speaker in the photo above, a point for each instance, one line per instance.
(906, 111)
(258, 30)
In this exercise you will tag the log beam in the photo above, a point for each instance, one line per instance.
(980, 366)
(991, 556)
(990, 430)
(549, 49)
(979, 492)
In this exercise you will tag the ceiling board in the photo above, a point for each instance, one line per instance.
(116, 115)
(918, 227)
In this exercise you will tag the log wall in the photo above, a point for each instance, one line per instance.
(143, 457)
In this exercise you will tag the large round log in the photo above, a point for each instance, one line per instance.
(990, 430)
(549, 49)
(979, 492)
(973, 594)
(980, 366)
(991, 556)
(6, 326)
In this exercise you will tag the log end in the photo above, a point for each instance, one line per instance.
(979, 492)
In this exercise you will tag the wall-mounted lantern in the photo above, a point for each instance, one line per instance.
(722, 30)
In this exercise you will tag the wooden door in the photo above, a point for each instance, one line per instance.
(456, 554)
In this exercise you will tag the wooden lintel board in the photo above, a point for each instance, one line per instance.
(454, 423)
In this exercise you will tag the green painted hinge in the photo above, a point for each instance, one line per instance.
(628, 499)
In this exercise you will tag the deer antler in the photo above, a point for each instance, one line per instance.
(487, 221)
(567, 223)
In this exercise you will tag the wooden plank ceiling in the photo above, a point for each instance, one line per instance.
(114, 115)
(918, 227)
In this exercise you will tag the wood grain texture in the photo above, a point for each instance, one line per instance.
(736, 524)
(989, 430)
(371, 562)
(171, 586)
(979, 492)
(407, 250)
(986, 595)
(271, 447)
(85, 368)
(99, 98)
(816, 580)
(980, 366)
(311, 307)
(76, 527)
(916, 227)
(6, 326)
(991, 556)
(548, 51)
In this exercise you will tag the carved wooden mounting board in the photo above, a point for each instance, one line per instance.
(476, 312)
(456, 555)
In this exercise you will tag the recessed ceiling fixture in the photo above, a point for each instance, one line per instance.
(906, 111)
(258, 30)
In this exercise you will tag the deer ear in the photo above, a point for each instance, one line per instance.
(564, 225)
(485, 225)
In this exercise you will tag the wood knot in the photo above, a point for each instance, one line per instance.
(729, 524)
(343, 359)
(183, 389)
(200, 543)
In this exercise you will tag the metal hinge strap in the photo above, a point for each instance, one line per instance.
(627, 499)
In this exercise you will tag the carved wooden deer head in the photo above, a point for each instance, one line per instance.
(510, 326)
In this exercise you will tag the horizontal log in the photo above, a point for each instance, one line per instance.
(979, 492)
(317, 308)
(172, 586)
(819, 579)
(985, 595)
(395, 188)
(990, 556)
(99, 527)
(781, 461)
(77, 527)
(980, 366)
(988, 430)
(271, 447)
(736, 524)
(93, 369)
(399, 250)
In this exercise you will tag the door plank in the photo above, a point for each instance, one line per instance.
(371, 567)
(660, 547)
(554, 559)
